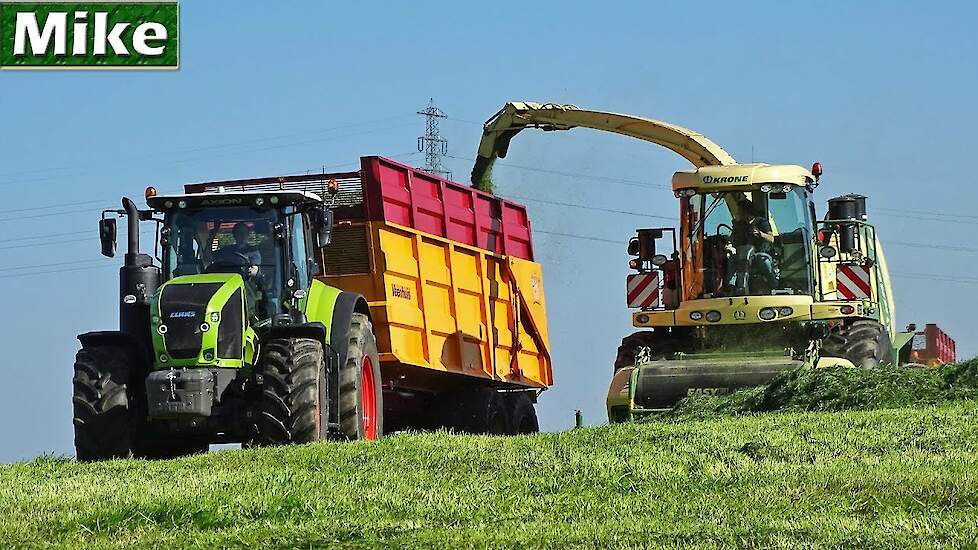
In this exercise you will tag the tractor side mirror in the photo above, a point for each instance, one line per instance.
(324, 226)
(633, 246)
(107, 232)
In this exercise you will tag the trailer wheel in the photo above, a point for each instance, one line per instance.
(864, 342)
(101, 403)
(477, 411)
(361, 399)
(524, 414)
(292, 371)
(662, 344)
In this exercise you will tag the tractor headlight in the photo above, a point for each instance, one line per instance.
(828, 252)
(713, 316)
(768, 313)
(642, 318)
(766, 188)
(786, 311)
(696, 315)
(215, 316)
(786, 189)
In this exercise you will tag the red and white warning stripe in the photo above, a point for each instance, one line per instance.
(643, 290)
(852, 281)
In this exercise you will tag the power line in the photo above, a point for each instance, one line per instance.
(596, 208)
(51, 271)
(608, 179)
(156, 156)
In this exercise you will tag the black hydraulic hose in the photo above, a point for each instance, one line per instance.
(132, 215)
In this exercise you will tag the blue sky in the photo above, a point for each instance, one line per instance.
(882, 93)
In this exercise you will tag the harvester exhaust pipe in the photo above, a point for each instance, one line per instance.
(138, 281)
(847, 207)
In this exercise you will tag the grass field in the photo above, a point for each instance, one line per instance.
(884, 478)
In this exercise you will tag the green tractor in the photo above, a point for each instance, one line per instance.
(227, 337)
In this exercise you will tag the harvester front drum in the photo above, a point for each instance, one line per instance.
(864, 342)
(361, 399)
(660, 344)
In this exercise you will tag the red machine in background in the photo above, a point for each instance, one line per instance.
(932, 346)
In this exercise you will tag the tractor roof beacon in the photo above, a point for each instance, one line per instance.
(750, 284)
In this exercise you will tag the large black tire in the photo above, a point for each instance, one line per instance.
(292, 371)
(662, 344)
(476, 411)
(864, 342)
(523, 415)
(361, 416)
(101, 403)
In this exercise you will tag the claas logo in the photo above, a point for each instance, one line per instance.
(89, 35)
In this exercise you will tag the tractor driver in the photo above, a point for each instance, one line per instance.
(751, 229)
(254, 281)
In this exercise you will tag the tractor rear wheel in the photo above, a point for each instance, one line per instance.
(101, 403)
(523, 415)
(361, 399)
(864, 342)
(292, 371)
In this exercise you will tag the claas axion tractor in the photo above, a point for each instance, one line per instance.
(302, 308)
(752, 283)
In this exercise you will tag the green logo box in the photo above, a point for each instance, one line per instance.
(89, 35)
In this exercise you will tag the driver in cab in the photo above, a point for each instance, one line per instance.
(240, 232)
(751, 229)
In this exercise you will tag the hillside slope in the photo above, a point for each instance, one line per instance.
(885, 478)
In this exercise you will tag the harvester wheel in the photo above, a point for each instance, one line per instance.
(864, 342)
(661, 345)
(361, 400)
(523, 415)
(101, 403)
(292, 370)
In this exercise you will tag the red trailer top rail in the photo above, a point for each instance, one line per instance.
(386, 190)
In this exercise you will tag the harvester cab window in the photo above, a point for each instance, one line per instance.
(748, 243)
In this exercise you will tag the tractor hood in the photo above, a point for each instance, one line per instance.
(199, 321)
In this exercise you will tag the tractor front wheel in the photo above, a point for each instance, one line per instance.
(101, 403)
(864, 342)
(292, 371)
(361, 399)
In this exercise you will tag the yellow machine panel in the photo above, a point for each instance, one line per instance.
(442, 305)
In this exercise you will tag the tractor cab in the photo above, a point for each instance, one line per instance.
(745, 230)
(268, 239)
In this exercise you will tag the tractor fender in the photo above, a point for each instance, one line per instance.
(114, 338)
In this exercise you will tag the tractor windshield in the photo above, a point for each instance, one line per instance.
(227, 240)
(739, 243)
